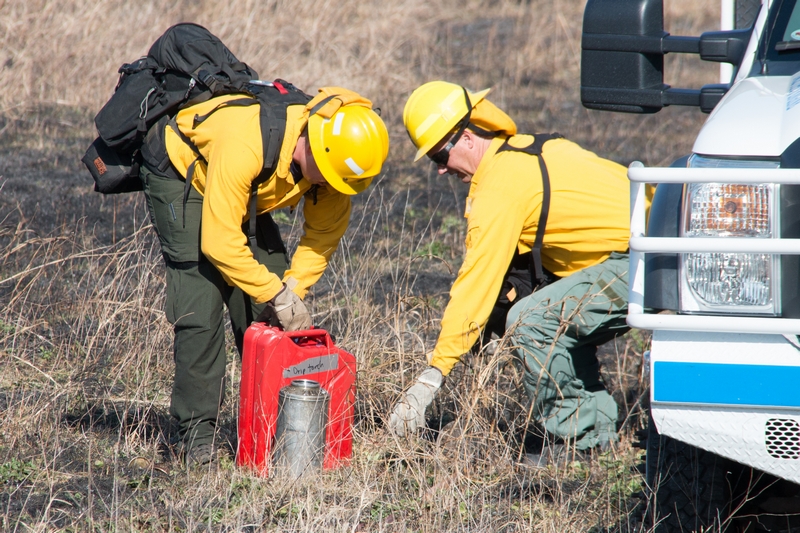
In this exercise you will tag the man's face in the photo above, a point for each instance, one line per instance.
(458, 160)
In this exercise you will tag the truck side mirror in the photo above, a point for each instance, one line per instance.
(618, 77)
(622, 58)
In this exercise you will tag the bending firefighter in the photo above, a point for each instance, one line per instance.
(211, 176)
(541, 213)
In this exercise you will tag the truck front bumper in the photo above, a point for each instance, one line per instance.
(733, 394)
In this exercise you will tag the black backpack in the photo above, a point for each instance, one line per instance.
(185, 66)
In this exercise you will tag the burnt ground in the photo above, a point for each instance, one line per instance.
(45, 188)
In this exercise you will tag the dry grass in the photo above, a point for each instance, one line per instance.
(85, 387)
(85, 362)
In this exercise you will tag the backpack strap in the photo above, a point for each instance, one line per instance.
(243, 102)
(239, 102)
(535, 148)
(273, 98)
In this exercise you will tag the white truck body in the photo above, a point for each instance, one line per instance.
(715, 271)
(768, 107)
(727, 384)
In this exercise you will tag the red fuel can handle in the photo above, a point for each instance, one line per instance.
(272, 358)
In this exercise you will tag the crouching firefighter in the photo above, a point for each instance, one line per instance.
(541, 213)
(211, 176)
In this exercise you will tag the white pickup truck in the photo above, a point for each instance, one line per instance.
(715, 272)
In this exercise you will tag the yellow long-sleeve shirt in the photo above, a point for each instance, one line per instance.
(230, 141)
(588, 219)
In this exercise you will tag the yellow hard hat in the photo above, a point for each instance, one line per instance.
(433, 110)
(349, 147)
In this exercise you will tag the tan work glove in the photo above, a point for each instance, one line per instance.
(409, 413)
(286, 310)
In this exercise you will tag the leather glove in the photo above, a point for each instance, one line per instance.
(286, 310)
(409, 413)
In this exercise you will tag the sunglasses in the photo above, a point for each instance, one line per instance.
(442, 157)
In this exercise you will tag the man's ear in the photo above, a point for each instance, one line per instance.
(469, 138)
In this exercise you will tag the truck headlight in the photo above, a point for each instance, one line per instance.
(726, 282)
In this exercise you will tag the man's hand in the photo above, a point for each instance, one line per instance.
(409, 413)
(286, 310)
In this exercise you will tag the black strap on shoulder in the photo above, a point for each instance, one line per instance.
(239, 102)
(271, 141)
(274, 102)
(273, 98)
(199, 119)
(535, 148)
(251, 232)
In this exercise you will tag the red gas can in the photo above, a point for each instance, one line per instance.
(272, 358)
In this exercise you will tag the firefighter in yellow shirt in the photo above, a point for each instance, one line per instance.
(211, 177)
(539, 201)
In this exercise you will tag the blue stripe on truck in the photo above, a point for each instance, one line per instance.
(725, 384)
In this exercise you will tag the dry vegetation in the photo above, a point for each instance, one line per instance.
(85, 349)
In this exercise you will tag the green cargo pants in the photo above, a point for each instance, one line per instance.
(555, 333)
(196, 297)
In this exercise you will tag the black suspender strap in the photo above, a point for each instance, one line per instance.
(536, 251)
(535, 148)
(252, 223)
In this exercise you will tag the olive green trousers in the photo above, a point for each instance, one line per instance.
(555, 333)
(196, 299)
